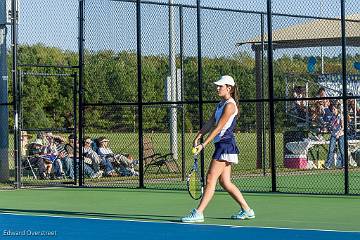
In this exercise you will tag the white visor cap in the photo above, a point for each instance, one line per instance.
(225, 80)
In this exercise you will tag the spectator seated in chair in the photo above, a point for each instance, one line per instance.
(300, 105)
(25, 137)
(36, 155)
(124, 163)
(93, 159)
(52, 149)
(67, 158)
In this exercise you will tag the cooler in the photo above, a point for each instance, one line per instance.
(295, 161)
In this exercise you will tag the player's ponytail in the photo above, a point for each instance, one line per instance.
(234, 92)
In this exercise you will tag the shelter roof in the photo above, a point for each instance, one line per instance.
(313, 33)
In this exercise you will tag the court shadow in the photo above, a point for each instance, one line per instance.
(118, 216)
(107, 189)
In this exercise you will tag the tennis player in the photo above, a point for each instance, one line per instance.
(221, 126)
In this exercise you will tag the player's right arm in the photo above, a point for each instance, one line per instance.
(205, 129)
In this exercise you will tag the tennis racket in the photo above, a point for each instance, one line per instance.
(193, 181)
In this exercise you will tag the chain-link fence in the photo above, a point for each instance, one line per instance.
(313, 139)
(42, 85)
(7, 152)
(144, 73)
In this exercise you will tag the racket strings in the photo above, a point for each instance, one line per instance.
(195, 186)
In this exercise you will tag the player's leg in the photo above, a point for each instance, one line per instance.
(225, 181)
(215, 170)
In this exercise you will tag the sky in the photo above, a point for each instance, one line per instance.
(112, 24)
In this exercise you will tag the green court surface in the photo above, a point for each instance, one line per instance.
(321, 212)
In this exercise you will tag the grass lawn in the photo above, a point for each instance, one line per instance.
(246, 175)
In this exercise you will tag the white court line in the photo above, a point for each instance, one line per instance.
(167, 222)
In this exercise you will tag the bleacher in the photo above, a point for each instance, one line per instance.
(333, 84)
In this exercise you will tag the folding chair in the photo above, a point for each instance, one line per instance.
(26, 165)
(152, 159)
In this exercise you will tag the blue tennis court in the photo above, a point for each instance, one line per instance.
(15, 226)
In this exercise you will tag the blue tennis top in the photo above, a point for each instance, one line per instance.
(227, 132)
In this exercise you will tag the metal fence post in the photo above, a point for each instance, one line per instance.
(262, 96)
(271, 97)
(140, 104)
(15, 91)
(183, 162)
(81, 89)
(173, 83)
(4, 106)
(198, 21)
(344, 97)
